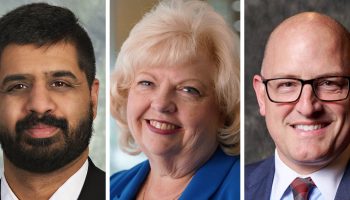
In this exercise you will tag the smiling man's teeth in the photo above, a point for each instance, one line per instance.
(161, 125)
(308, 127)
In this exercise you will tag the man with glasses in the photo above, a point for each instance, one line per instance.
(303, 92)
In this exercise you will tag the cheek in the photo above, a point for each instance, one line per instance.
(72, 107)
(134, 109)
(277, 113)
(276, 119)
(11, 110)
(201, 131)
(342, 113)
(130, 106)
(201, 118)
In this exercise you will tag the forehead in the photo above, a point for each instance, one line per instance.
(307, 52)
(200, 67)
(33, 60)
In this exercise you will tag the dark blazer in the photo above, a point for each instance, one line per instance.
(218, 178)
(94, 187)
(259, 178)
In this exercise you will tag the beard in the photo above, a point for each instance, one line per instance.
(43, 155)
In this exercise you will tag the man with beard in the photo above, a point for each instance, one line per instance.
(48, 100)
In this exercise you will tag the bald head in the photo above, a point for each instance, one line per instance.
(304, 95)
(305, 36)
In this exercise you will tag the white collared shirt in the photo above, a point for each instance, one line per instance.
(69, 190)
(326, 179)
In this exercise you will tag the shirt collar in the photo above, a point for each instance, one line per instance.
(6, 192)
(71, 188)
(326, 179)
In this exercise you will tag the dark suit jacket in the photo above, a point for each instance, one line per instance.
(94, 187)
(259, 179)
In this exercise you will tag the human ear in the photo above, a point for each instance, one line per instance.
(260, 93)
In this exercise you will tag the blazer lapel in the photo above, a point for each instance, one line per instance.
(133, 186)
(207, 179)
(94, 186)
(343, 192)
(259, 181)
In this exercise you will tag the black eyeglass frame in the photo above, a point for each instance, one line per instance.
(305, 82)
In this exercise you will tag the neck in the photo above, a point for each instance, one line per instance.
(311, 167)
(179, 164)
(170, 175)
(30, 185)
(157, 187)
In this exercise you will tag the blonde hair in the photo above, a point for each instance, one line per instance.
(174, 32)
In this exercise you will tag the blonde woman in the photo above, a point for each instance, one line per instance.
(175, 96)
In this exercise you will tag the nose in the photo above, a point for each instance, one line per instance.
(163, 101)
(308, 105)
(40, 100)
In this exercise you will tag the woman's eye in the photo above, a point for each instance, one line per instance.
(145, 83)
(191, 90)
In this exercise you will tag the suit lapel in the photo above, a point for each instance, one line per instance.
(94, 186)
(259, 181)
(343, 192)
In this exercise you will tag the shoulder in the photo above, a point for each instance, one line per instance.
(343, 191)
(259, 178)
(258, 167)
(228, 165)
(95, 183)
(234, 170)
(253, 166)
(230, 187)
(96, 172)
(224, 183)
(126, 175)
(131, 179)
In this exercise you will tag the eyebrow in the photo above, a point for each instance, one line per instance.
(58, 74)
(198, 81)
(14, 77)
(281, 75)
(183, 81)
(21, 77)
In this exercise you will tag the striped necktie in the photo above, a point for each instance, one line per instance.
(302, 187)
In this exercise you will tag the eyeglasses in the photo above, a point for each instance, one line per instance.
(288, 90)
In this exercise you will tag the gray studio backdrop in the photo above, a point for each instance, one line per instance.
(91, 14)
(261, 16)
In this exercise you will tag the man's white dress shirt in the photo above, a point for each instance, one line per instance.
(326, 179)
(69, 190)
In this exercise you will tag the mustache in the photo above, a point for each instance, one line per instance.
(33, 119)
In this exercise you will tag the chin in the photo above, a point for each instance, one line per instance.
(160, 150)
(315, 160)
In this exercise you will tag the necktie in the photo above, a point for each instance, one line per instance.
(301, 188)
